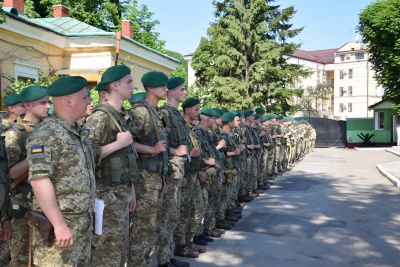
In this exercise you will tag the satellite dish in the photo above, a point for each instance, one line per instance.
(357, 37)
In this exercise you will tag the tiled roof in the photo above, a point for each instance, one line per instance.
(321, 56)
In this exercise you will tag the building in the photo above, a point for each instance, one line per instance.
(65, 46)
(341, 84)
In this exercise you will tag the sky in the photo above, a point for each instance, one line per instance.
(327, 23)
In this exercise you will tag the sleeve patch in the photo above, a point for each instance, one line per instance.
(37, 149)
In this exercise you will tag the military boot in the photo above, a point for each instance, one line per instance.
(199, 241)
(184, 251)
(197, 248)
(211, 233)
(178, 263)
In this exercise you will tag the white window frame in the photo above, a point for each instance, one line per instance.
(377, 119)
(26, 69)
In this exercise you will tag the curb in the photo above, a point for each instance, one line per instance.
(397, 153)
(392, 178)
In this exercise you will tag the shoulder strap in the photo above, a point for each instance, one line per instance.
(111, 117)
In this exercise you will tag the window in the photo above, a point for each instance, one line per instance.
(379, 120)
(25, 70)
(350, 73)
(341, 91)
(342, 58)
(341, 74)
(341, 107)
(350, 90)
(349, 107)
(359, 55)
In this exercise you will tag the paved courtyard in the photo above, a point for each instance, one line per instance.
(333, 209)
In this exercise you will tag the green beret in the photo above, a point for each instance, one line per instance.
(100, 87)
(11, 100)
(190, 102)
(154, 79)
(272, 116)
(32, 93)
(218, 112)
(115, 73)
(279, 117)
(264, 118)
(248, 112)
(224, 110)
(209, 112)
(137, 97)
(228, 116)
(175, 82)
(67, 85)
(256, 117)
(240, 113)
(260, 110)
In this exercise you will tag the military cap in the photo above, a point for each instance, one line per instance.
(264, 118)
(175, 82)
(11, 100)
(228, 116)
(137, 97)
(190, 102)
(279, 117)
(209, 112)
(32, 93)
(256, 117)
(272, 116)
(115, 73)
(248, 112)
(154, 79)
(67, 85)
(240, 113)
(100, 87)
(260, 110)
(218, 112)
(224, 110)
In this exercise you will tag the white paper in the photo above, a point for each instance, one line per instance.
(98, 216)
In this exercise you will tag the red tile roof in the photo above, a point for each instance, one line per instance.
(321, 56)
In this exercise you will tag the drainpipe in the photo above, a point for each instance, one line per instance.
(367, 87)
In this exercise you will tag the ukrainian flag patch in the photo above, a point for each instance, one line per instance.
(37, 149)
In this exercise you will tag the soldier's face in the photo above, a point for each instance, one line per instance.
(79, 102)
(194, 112)
(159, 92)
(39, 108)
(218, 121)
(179, 93)
(125, 86)
(17, 109)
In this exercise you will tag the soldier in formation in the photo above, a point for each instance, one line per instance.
(168, 184)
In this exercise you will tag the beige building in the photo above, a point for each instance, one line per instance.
(66, 46)
(347, 70)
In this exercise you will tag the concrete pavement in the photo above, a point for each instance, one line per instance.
(333, 209)
(392, 169)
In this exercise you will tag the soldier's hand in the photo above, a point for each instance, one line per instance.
(237, 151)
(222, 143)
(262, 134)
(64, 236)
(244, 140)
(202, 176)
(124, 139)
(181, 150)
(183, 181)
(242, 147)
(6, 230)
(195, 152)
(160, 146)
(132, 205)
(211, 161)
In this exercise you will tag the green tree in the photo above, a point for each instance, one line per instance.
(243, 63)
(2, 15)
(379, 26)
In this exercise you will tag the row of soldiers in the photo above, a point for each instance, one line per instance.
(165, 182)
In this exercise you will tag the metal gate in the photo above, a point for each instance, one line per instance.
(330, 133)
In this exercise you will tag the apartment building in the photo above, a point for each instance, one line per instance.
(341, 80)
(351, 79)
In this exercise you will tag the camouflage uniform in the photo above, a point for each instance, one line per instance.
(5, 201)
(115, 191)
(232, 164)
(212, 185)
(6, 122)
(191, 209)
(62, 152)
(145, 222)
(177, 135)
(15, 137)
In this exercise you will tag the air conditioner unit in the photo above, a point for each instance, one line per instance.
(348, 56)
